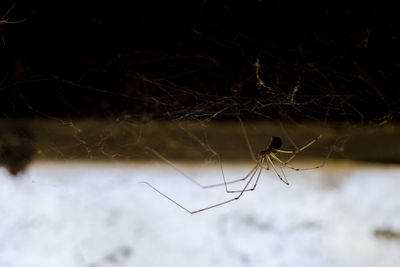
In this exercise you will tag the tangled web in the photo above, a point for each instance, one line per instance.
(200, 61)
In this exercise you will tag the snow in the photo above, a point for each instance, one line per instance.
(97, 215)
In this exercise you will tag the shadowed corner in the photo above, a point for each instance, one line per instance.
(17, 149)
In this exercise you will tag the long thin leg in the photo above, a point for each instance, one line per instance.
(310, 143)
(263, 161)
(298, 150)
(283, 173)
(273, 167)
(302, 148)
(162, 158)
(250, 174)
(255, 184)
(8, 11)
(288, 136)
(294, 168)
(206, 208)
(247, 140)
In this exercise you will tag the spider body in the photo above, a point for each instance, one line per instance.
(275, 144)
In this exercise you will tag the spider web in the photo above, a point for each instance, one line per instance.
(181, 69)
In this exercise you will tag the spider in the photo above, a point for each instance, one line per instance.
(265, 158)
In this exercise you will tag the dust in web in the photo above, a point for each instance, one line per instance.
(207, 131)
(182, 118)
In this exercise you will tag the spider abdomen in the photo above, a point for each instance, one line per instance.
(276, 143)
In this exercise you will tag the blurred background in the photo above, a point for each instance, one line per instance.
(96, 97)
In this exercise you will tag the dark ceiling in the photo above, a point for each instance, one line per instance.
(200, 59)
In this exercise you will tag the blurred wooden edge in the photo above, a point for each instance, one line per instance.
(23, 140)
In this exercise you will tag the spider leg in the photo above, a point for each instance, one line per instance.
(194, 181)
(286, 151)
(298, 150)
(15, 22)
(247, 140)
(290, 159)
(310, 143)
(259, 169)
(250, 174)
(206, 208)
(294, 168)
(263, 161)
(273, 167)
(9, 10)
(288, 136)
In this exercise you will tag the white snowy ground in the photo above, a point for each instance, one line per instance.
(96, 215)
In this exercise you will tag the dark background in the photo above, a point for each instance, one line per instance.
(200, 60)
